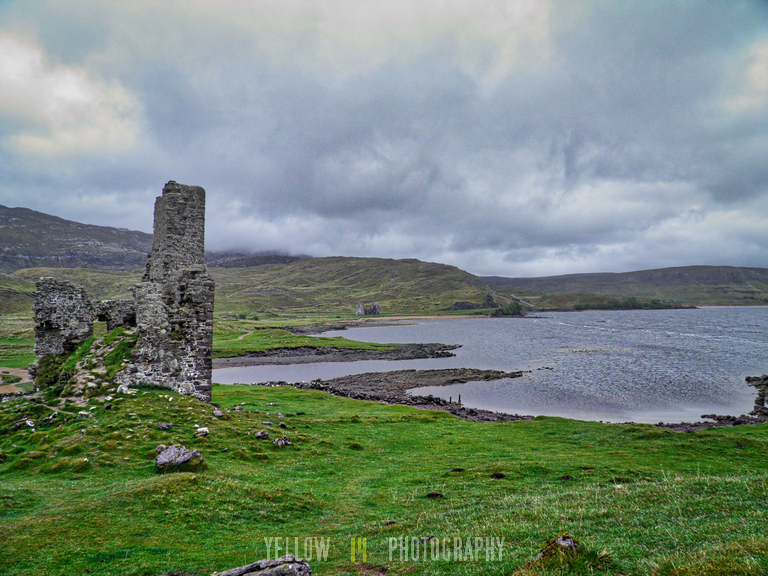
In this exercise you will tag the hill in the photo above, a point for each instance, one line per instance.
(330, 285)
(16, 294)
(337, 284)
(31, 239)
(695, 285)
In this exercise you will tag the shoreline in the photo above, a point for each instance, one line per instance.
(309, 355)
(390, 387)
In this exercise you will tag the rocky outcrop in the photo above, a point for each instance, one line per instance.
(287, 565)
(174, 301)
(761, 383)
(490, 301)
(392, 388)
(63, 317)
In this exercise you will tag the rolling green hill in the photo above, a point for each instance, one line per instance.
(16, 294)
(691, 285)
(337, 284)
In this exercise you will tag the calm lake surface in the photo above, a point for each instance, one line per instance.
(615, 366)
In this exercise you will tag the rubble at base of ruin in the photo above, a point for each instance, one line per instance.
(172, 306)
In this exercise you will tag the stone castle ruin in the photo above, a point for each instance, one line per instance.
(172, 308)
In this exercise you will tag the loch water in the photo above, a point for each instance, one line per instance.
(614, 366)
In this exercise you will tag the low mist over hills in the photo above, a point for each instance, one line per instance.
(31, 239)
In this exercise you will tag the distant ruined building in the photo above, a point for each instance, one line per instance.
(172, 306)
(372, 310)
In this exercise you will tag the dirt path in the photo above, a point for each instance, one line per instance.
(13, 388)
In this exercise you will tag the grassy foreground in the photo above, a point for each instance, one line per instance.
(80, 495)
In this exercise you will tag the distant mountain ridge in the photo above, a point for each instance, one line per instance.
(700, 285)
(31, 239)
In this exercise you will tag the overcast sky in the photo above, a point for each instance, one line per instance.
(506, 137)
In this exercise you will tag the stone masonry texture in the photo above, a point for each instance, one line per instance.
(63, 317)
(172, 307)
(174, 300)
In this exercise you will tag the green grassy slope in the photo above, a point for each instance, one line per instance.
(337, 284)
(80, 494)
(321, 288)
(330, 285)
(695, 285)
(16, 294)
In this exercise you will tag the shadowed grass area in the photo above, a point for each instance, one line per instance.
(80, 494)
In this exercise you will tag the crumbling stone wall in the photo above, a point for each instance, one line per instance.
(116, 313)
(63, 317)
(174, 301)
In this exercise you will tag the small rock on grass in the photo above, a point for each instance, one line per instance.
(563, 544)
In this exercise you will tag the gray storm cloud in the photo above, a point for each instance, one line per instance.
(528, 138)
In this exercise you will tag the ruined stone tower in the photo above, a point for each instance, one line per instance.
(174, 300)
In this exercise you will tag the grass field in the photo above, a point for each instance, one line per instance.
(80, 495)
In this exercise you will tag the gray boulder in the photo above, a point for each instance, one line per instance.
(287, 565)
(179, 458)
